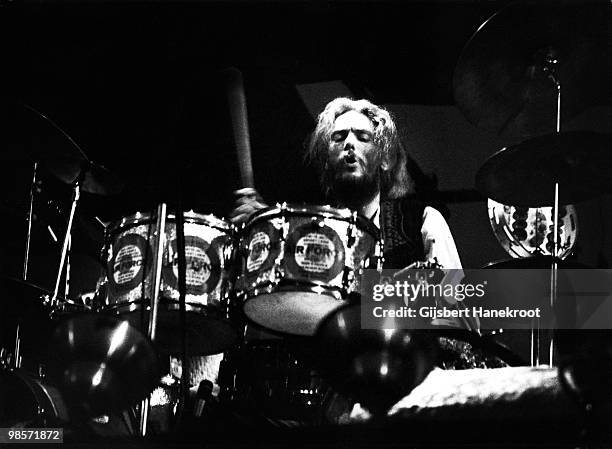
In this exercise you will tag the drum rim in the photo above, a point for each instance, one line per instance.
(326, 211)
(42, 394)
(191, 216)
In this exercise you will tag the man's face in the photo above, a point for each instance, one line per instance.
(353, 156)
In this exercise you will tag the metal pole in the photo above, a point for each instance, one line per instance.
(75, 199)
(67, 277)
(17, 354)
(157, 268)
(554, 266)
(26, 257)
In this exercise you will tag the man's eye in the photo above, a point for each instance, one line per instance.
(339, 136)
(365, 137)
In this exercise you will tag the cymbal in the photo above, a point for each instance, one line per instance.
(377, 367)
(525, 174)
(21, 299)
(499, 79)
(534, 263)
(93, 178)
(34, 135)
(101, 363)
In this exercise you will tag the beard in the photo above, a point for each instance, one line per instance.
(348, 190)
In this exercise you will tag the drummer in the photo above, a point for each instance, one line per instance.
(362, 166)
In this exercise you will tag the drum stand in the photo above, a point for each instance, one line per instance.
(152, 327)
(76, 195)
(16, 359)
(549, 67)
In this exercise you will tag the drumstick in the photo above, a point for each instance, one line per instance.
(240, 124)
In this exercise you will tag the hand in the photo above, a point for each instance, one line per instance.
(248, 201)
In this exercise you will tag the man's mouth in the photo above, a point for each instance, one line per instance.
(350, 159)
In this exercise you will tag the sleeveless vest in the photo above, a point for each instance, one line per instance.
(400, 223)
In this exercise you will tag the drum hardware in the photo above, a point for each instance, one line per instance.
(26, 256)
(158, 253)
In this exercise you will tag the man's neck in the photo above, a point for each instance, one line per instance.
(367, 209)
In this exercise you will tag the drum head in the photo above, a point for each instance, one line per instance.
(291, 312)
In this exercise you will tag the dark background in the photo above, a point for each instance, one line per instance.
(138, 86)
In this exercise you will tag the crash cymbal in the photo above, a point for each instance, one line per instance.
(377, 367)
(499, 79)
(525, 174)
(101, 363)
(35, 136)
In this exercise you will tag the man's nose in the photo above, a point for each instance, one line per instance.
(349, 143)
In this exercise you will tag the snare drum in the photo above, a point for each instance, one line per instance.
(127, 285)
(299, 263)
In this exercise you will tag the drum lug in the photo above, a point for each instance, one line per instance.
(379, 254)
(348, 278)
(317, 222)
(42, 371)
(350, 234)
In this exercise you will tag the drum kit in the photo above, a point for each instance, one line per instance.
(187, 283)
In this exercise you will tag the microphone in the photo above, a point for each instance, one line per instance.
(202, 396)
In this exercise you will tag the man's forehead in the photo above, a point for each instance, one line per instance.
(353, 119)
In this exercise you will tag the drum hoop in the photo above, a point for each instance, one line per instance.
(310, 286)
(325, 211)
(40, 392)
(143, 218)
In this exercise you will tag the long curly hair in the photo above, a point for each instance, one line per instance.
(395, 182)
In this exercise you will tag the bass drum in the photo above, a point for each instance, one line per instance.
(27, 401)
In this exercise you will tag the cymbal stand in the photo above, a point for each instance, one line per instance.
(75, 199)
(157, 268)
(550, 68)
(16, 359)
(26, 256)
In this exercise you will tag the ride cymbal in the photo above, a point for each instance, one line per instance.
(525, 174)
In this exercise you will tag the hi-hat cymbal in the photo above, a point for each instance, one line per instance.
(499, 79)
(35, 136)
(101, 363)
(525, 174)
